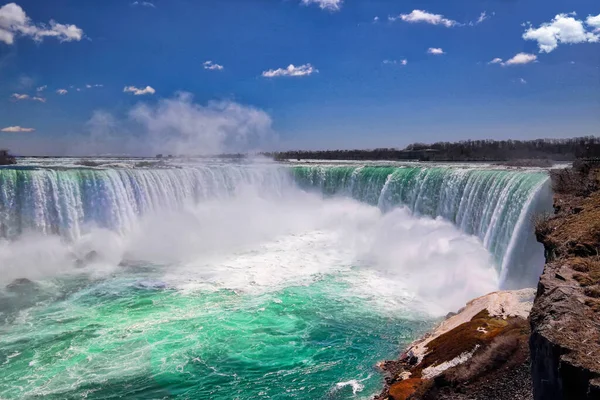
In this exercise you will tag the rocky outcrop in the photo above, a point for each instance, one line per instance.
(555, 354)
(473, 354)
(565, 320)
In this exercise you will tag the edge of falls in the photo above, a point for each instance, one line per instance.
(495, 205)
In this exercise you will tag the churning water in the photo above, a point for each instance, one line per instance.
(231, 281)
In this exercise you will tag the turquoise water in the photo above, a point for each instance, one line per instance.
(235, 281)
(129, 336)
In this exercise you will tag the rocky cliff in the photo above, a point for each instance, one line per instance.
(492, 350)
(565, 319)
(479, 353)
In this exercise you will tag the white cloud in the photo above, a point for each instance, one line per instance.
(420, 16)
(180, 126)
(401, 62)
(594, 22)
(88, 86)
(523, 81)
(212, 66)
(564, 28)
(376, 19)
(482, 18)
(291, 70)
(143, 4)
(435, 51)
(520, 59)
(16, 129)
(496, 61)
(139, 92)
(14, 22)
(62, 91)
(18, 96)
(41, 88)
(331, 5)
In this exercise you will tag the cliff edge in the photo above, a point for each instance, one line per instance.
(494, 348)
(565, 319)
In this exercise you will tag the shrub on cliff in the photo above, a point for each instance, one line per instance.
(581, 180)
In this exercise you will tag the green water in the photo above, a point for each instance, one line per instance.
(130, 337)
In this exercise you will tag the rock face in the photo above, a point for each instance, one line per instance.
(479, 353)
(565, 319)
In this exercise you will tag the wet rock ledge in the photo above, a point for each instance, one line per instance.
(479, 353)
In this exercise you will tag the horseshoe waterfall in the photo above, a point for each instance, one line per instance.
(224, 280)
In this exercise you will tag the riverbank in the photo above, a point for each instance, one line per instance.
(494, 348)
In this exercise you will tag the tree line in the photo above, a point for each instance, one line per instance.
(467, 150)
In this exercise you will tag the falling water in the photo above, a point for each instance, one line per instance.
(496, 205)
(256, 281)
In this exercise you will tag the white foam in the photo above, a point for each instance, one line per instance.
(356, 386)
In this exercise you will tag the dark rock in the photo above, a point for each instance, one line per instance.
(19, 282)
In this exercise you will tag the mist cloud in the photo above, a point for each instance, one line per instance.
(180, 126)
(177, 126)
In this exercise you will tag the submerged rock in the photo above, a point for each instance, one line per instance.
(19, 283)
(149, 284)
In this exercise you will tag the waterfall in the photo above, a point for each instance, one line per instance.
(495, 205)
(64, 201)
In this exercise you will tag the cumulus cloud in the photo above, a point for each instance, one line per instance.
(520, 59)
(16, 129)
(421, 16)
(143, 4)
(331, 5)
(523, 81)
(178, 125)
(40, 99)
(435, 51)
(139, 91)
(62, 91)
(564, 28)
(212, 66)
(41, 88)
(594, 22)
(496, 61)
(14, 22)
(291, 70)
(90, 86)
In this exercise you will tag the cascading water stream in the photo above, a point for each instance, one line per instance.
(495, 205)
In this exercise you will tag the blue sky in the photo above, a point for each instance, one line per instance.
(366, 73)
